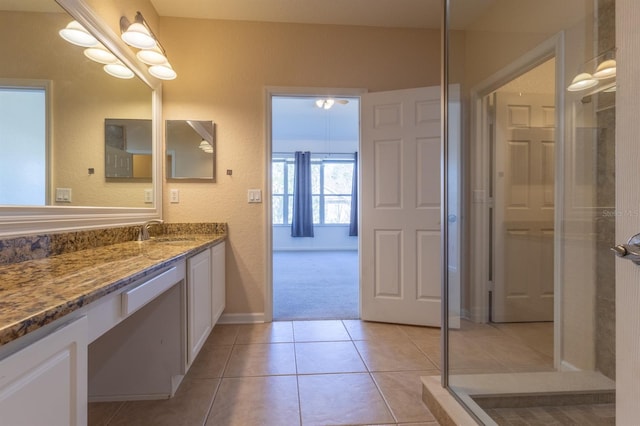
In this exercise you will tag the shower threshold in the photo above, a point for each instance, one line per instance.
(500, 399)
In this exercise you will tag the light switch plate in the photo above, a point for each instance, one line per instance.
(174, 196)
(148, 196)
(63, 195)
(254, 196)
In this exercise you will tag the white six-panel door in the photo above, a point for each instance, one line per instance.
(524, 208)
(400, 207)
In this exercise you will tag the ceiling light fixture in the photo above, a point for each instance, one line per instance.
(76, 34)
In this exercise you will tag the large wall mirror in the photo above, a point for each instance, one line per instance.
(191, 150)
(57, 106)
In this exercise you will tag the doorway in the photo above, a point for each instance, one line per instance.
(314, 194)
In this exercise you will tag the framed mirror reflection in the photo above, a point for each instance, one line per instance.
(190, 150)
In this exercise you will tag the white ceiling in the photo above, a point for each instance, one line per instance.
(379, 13)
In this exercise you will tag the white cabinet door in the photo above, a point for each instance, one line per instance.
(199, 297)
(218, 278)
(46, 382)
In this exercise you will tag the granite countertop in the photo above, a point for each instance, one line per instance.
(36, 292)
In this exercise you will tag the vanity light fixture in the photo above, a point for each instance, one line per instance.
(138, 34)
(592, 72)
(206, 147)
(76, 34)
(325, 103)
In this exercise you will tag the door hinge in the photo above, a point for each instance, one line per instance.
(490, 285)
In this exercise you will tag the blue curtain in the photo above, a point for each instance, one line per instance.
(302, 221)
(353, 224)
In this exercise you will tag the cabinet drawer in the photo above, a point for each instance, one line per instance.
(137, 297)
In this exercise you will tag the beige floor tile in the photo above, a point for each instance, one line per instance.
(270, 332)
(403, 393)
(417, 333)
(366, 330)
(538, 336)
(210, 362)
(100, 413)
(263, 401)
(399, 356)
(261, 359)
(319, 331)
(341, 399)
(223, 334)
(514, 355)
(188, 407)
(328, 357)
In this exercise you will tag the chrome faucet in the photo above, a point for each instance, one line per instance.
(144, 229)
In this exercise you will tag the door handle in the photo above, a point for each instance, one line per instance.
(629, 251)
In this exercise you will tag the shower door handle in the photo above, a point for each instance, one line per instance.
(629, 251)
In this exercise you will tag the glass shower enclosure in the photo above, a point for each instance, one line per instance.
(531, 188)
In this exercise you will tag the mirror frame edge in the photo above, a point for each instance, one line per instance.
(27, 220)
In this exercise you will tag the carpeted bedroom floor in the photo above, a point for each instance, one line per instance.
(315, 285)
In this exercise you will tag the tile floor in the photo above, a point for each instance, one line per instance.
(295, 373)
(334, 372)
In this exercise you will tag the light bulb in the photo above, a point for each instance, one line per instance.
(581, 82)
(137, 35)
(606, 69)
(76, 34)
(118, 70)
(152, 56)
(101, 55)
(163, 72)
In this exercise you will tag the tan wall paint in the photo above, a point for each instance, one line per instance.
(223, 69)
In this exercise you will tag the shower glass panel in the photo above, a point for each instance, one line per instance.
(531, 150)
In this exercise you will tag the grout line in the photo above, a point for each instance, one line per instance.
(115, 413)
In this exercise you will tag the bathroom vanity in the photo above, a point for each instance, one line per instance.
(119, 322)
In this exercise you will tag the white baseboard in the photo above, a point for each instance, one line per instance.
(246, 318)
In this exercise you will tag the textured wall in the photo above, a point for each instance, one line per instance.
(223, 68)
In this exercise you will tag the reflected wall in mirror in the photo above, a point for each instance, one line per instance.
(128, 147)
(78, 97)
(191, 150)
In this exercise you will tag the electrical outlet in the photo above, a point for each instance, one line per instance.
(148, 195)
(174, 196)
